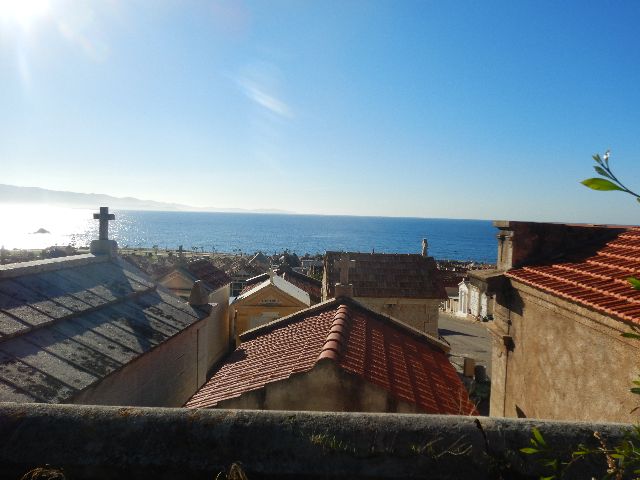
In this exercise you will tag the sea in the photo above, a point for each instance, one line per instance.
(473, 240)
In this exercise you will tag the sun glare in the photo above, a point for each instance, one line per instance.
(23, 12)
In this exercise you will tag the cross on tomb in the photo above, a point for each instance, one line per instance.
(344, 265)
(104, 216)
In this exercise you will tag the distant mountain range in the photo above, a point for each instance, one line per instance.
(35, 195)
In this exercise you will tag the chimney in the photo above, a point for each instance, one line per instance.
(199, 294)
(425, 247)
(341, 290)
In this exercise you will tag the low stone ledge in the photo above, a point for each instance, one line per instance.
(124, 442)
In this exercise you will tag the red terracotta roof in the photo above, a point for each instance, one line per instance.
(384, 275)
(595, 278)
(411, 366)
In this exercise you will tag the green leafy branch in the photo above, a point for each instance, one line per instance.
(621, 460)
(548, 456)
(609, 181)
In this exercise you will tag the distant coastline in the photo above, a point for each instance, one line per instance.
(13, 194)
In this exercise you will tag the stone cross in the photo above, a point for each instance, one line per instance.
(104, 216)
(344, 265)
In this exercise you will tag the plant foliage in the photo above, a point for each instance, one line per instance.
(607, 182)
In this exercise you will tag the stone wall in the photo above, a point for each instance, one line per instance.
(421, 314)
(126, 442)
(554, 359)
(169, 374)
(522, 243)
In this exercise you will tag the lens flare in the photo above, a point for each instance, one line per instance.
(23, 12)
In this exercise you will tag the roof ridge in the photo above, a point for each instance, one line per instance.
(18, 269)
(335, 343)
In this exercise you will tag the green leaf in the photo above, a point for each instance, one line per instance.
(538, 436)
(551, 477)
(638, 199)
(602, 171)
(529, 450)
(597, 158)
(635, 283)
(600, 184)
(635, 390)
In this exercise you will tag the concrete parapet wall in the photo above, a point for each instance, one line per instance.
(125, 442)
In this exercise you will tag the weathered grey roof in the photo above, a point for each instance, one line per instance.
(67, 323)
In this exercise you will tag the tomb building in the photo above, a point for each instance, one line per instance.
(339, 355)
(304, 282)
(562, 305)
(93, 329)
(404, 286)
(267, 299)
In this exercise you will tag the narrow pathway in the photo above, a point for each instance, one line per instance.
(467, 339)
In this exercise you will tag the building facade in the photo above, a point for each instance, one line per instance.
(562, 304)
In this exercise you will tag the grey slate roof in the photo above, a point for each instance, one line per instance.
(67, 323)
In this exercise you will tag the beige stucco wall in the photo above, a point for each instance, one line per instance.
(421, 314)
(248, 311)
(178, 283)
(325, 388)
(568, 362)
(168, 375)
(219, 335)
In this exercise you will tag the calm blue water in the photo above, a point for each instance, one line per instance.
(233, 232)
(228, 232)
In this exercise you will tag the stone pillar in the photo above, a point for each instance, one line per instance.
(342, 290)
(425, 247)
(505, 250)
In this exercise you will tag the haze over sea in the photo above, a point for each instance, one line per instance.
(247, 232)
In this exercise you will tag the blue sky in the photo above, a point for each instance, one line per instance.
(459, 109)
